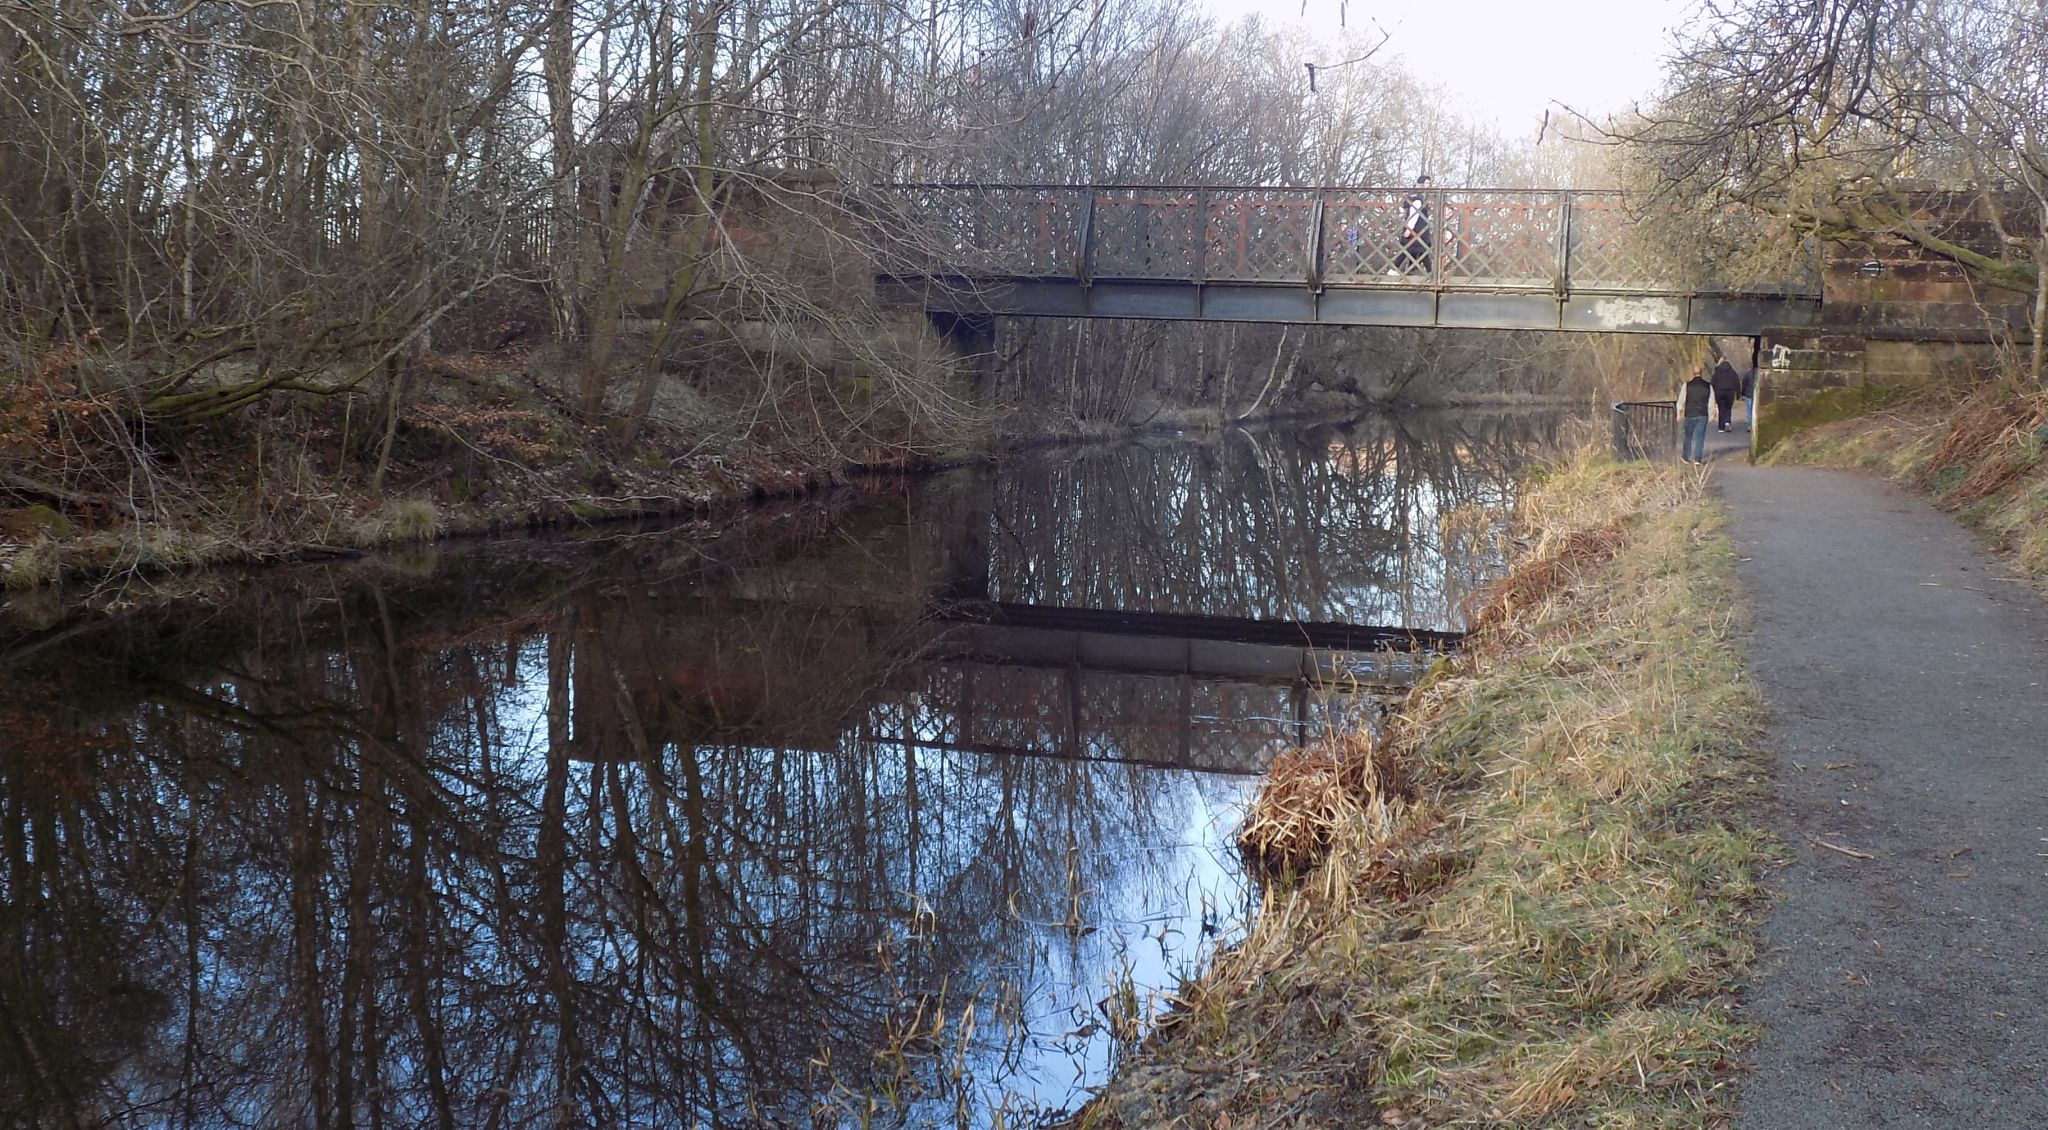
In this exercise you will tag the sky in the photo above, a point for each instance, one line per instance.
(1505, 60)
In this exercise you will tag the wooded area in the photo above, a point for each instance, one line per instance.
(292, 273)
(296, 274)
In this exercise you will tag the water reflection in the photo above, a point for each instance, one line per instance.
(665, 829)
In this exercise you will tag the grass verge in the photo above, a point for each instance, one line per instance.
(1983, 458)
(1527, 903)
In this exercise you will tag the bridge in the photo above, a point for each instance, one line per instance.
(1496, 259)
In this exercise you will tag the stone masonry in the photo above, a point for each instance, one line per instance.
(1895, 314)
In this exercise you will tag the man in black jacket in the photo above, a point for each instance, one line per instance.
(1726, 383)
(1697, 393)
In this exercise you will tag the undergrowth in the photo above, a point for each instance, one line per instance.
(1983, 458)
(1528, 904)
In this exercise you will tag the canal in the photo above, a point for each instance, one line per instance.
(909, 803)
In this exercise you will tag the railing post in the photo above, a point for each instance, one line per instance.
(1315, 246)
(1201, 235)
(1562, 279)
(1084, 249)
(1436, 254)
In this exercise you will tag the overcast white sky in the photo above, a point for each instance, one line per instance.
(1505, 60)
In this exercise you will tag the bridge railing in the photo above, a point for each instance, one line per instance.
(1479, 239)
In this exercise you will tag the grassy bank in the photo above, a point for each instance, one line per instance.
(1529, 902)
(1983, 458)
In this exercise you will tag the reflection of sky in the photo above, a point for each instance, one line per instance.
(1151, 869)
(1159, 881)
(1172, 901)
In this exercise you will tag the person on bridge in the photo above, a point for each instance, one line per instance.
(1415, 229)
(1726, 384)
(1696, 395)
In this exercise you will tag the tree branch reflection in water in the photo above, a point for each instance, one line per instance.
(665, 830)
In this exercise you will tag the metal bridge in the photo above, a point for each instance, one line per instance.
(1496, 259)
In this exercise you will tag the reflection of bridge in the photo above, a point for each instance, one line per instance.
(1217, 694)
(1502, 259)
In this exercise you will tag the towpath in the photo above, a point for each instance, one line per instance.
(1904, 979)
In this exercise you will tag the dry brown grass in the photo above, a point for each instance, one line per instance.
(1559, 561)
(1359, 783)
(1349, 785)
(1992, 441)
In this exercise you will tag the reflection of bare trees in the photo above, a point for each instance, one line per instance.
(1345, 527)
(657, 832)
(373, 881)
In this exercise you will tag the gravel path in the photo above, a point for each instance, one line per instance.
(1907, 677)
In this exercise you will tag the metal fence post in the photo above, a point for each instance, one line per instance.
(1645, 429)
(1084, 248)
(1315, 245)
(1563, 276)
(1436, 254)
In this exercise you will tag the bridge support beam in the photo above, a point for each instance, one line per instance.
(961, 309)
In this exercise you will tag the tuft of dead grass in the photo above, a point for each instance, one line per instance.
(1991, 441)
(1527, 901)
(1348, 785)
(1557, 562)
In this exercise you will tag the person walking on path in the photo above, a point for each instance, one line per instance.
(1415, 228)
(1693, 408)
(1726, 384)
(1749, 398)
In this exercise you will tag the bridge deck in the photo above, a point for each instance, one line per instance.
(1508, 259)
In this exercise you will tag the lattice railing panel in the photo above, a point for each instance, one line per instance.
(1035, 711)
(1749, 251)
(1501, 239)
(1259, 235)
(1026, 232)
(1479, 239)
(1147, 233)
(1362, 239)
(1605, 255)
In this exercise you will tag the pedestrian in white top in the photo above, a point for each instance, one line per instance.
(1415, 228)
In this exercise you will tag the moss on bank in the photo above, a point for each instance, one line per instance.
(1984, 458)
(1545, 923)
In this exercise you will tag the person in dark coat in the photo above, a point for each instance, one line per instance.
(1726, 384)
(1415, 228)
(1695, 396)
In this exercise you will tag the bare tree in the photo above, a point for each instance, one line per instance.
(1832, 112)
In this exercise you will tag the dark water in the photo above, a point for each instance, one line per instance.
(776, 825)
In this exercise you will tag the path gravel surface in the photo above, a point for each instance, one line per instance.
(1904, 980)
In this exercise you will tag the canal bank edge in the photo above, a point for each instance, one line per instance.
(1552, 929)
